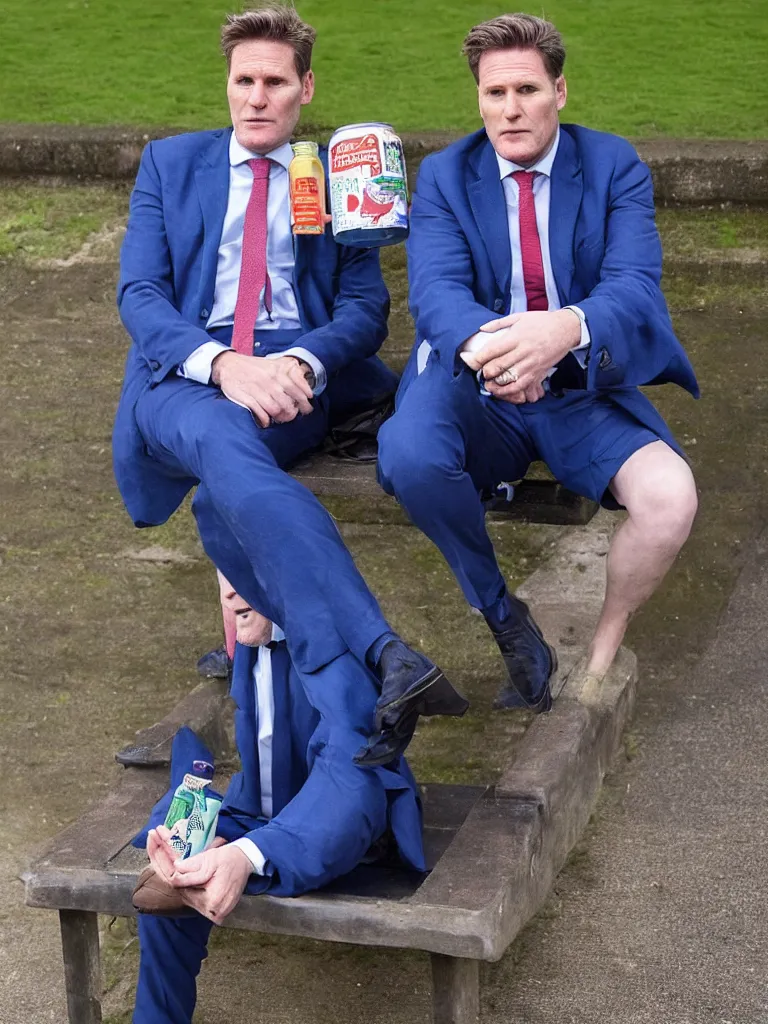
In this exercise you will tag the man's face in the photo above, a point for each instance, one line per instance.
(253, 628)
(519, 103)
(265, 93)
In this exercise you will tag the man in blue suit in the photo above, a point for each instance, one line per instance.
(298, 815)
(240, 332)
(534, 267)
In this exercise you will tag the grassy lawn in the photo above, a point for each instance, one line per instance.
(664, 67)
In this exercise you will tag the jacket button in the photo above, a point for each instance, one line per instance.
(498, 305)
(204, 314)
(605, 358)
(154, 365)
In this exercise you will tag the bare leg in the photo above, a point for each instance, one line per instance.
(658, 490)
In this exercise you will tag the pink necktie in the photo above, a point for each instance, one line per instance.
(253, 268)
(530, 245)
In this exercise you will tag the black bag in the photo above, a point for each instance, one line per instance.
(355, 438)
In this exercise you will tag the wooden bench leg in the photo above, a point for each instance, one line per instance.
(82, 965)
(455, 990)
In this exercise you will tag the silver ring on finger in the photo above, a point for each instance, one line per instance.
(508, 376)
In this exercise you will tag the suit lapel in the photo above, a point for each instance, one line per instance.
(566, 191)
(486, 197)
(212, 181)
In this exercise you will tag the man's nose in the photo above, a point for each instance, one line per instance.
(257, 97)
(511, 108)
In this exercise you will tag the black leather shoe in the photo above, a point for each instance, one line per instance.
(530, 663)
(410, 686)
(215, 664)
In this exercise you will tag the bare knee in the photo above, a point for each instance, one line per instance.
(659, 492)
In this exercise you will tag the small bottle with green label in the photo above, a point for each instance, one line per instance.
(193, 813)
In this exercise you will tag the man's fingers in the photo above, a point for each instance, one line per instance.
(196, 871)
(296, 387)
(184, 879)
(521, 364)
(500, 348)
(497, 325)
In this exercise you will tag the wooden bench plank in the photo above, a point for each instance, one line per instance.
(535, 500)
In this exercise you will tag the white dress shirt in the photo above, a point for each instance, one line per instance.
(280, 263)
(541, 194)
(265, 718)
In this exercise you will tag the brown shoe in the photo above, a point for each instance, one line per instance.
(153, 895)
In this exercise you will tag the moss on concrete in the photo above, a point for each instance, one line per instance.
(39, 223)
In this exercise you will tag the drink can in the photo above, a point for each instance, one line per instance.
(369, 192)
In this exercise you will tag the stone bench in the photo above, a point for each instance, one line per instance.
(534, 500)
(493, 851)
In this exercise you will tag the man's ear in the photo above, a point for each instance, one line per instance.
(561, 91)
(307, 87)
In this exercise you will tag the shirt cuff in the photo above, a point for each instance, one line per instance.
(253, 853)
(580, 350)
(198, 365)
(321, 377)
(475, 342)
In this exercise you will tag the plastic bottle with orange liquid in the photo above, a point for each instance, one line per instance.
(307, 184)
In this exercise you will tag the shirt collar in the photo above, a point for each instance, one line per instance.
(277, 633)
(542, 166)
(239, 154)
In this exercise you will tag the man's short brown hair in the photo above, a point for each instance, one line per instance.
(516, 31)
(277, 22)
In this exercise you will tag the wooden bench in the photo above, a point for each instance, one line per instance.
(536, 500)
(493, 852)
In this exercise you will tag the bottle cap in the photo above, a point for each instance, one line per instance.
(203, 769)
(304, 148)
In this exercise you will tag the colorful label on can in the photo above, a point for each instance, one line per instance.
(367, 179)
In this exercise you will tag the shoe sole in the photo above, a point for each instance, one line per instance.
(443, 699)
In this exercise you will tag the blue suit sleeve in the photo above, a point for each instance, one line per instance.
(327, 828)
(441, 275)
(626, 308)
(358, 325)
(145, 295)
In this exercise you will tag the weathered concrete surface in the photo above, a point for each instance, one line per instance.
(663, 918)
(685, 171)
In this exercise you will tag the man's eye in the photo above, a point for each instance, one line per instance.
(527, 88)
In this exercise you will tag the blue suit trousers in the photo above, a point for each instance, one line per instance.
(270, 536)
(448, 443)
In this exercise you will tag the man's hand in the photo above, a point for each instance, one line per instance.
(529, 344)
(213, 881)
(273, 389)
(162, 856)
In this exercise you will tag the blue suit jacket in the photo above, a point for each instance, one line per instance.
(165, 295)
(327, 812)
(604, 246)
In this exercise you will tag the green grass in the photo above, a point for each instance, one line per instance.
(663, 67)
(37, 223)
